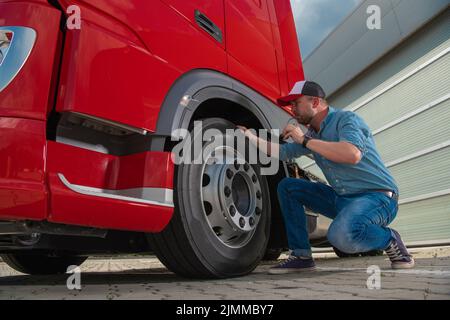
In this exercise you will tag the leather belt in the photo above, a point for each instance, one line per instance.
(389, 193)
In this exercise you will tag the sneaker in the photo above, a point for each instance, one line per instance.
(293, 264)
(398, 254)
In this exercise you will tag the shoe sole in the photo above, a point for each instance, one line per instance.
(286, 271)
(408, 265)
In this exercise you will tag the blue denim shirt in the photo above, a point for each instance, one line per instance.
(368, 174)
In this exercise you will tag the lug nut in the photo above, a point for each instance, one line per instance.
(232, 211)
(227, 191)
(229, 174)
(258, 194)
(236, 165)
(241, 222)
(258, 211)
(246, 166)
(252, 222)
(254, 179)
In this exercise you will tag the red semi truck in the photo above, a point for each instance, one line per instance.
(86, 116)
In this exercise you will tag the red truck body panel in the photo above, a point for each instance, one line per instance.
(32, 102)
(103, 171)
(23, 187)
(24, 106)
(120, 67)
(251, 54)
(97, 83)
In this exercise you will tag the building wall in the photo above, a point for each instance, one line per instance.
(404, 98)
(352, 47)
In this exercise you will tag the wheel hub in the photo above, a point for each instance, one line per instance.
(231, 195)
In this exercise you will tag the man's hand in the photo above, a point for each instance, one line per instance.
(244, 131)
(291, 131)
(242, 128)
(268, 148)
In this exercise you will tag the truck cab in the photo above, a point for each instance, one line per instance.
(87, 115)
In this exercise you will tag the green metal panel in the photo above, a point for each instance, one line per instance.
(425, 86)
(427, 220)
(426, 174)
(416, 133)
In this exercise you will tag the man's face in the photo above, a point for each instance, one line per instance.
(304, 109)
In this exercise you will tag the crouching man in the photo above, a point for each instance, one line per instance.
(362, 199)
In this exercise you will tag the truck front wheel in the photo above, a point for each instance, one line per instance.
(221, 222)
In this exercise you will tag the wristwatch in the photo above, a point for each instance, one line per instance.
(306, 140)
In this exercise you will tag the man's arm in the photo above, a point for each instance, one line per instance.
(283, 152)
(339, 152)
(267, 147)
(347, 151)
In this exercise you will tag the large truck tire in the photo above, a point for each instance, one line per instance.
(221, 222)
(272, 254)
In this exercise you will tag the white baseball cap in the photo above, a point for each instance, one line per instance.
(302, 88)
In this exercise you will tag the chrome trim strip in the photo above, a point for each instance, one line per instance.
(112, 123)
(20, 48)
(155, 196)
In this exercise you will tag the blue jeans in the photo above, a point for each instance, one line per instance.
(359, 220)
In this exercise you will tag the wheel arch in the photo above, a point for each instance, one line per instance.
(196, 87)
(212, 94)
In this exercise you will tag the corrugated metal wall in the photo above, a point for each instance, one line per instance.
(408, 111)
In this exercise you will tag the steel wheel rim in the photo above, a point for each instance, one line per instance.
(231, 195)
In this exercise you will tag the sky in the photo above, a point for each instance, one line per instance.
(315, 19)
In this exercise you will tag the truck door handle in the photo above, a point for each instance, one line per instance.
(206, 24)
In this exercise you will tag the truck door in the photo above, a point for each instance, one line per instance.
(251, 53)
(207, 15)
